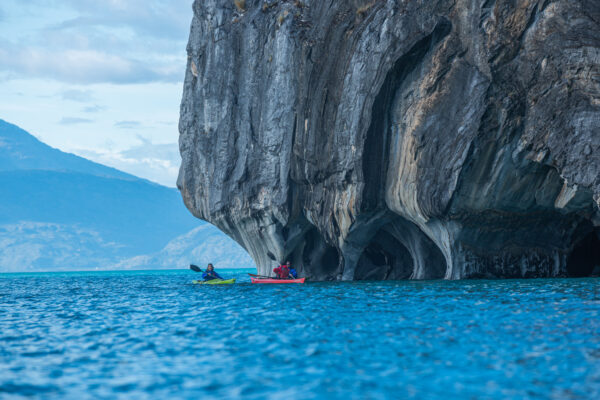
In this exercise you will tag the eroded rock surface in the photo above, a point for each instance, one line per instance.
(397, 139)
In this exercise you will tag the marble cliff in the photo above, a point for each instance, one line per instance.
(397, 139)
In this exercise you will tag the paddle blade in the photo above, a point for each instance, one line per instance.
(195, 268)
(258, 276)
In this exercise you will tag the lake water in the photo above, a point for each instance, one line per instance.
(154, 335)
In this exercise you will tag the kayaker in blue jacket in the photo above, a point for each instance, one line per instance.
(293, 272)
(210, 273)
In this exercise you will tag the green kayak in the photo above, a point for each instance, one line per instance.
(215, 282)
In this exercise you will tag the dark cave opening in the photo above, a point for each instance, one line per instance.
(584, 260)
(384, 258)
(317, 256)
(429, 261)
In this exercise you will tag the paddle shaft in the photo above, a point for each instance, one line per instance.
(269, 277)
(259, 276)
(195, 268)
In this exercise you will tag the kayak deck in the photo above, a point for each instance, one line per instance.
(215, 282)
(273, 280)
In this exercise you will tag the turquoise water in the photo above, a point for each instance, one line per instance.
(154, 335)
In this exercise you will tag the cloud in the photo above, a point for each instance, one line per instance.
(128, 124)
(155, 18)
(119, 42)
(156, 162)
(74, 121)
(82, 67)
(94, 109)
(81, 96)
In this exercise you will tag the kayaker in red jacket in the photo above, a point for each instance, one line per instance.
(283, 271)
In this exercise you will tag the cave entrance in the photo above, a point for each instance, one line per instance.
(384, 258)
(584, 260)
(316, 258)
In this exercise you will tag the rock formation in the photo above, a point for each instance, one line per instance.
(392, 139)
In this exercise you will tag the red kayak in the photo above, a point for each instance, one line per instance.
(273, 280)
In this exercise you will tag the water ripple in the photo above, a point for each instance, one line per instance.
(154, 335)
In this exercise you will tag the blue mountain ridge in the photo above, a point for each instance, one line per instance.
(59, 211)
(20, 150)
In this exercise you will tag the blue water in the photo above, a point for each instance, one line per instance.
(154, 335)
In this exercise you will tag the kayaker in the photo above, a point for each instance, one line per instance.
(210, 273)
(286, 271)
(283, 271)
(293, 273)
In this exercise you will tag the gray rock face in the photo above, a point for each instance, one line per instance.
(397, 139)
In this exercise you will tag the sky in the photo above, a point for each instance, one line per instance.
(99, 78)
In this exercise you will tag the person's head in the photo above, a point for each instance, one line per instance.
(288, 264)
(210, 267)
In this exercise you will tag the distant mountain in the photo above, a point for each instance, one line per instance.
(59, 211)
(195, 245)
(21, 151)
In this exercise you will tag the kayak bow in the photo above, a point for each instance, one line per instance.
(215, 282)
(273, 280)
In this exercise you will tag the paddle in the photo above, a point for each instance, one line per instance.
(196, 268)
(259, 276)
(270, 277)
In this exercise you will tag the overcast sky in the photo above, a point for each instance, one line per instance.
(99, 78)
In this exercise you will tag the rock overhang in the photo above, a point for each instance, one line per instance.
(396, 139)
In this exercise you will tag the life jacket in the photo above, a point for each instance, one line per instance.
(209, 277)
(282, 272)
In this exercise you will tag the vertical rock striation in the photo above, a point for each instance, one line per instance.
(390, 139)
